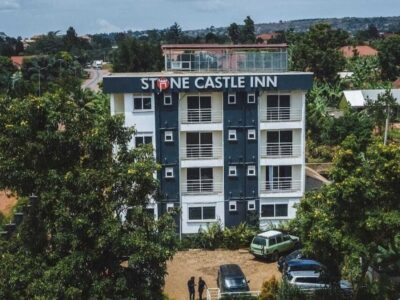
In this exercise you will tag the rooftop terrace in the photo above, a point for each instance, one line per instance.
(225, 58)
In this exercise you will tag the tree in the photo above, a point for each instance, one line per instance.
(7, 69)
(344, 223)
(79, 242)
(247, 32)
(234, 33)
(389, 57)
(174, 34)
(318, 51)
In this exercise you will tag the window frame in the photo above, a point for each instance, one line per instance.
(168, 96)
(232, 132)
(143, 137)
(168, 136)
(275, 216)
(233, 95)
(251, 168)
(142, 97)
(233, 204)
(170, 207)
(232, 168)
(251, 202)
(202, 213)
(249, 95)
(251, 132)
(169, 170)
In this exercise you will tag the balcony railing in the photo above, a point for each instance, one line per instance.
(280, 185)
(201, 115)
(280, 114)
(276, 150)
(201, 186)
(201, 151)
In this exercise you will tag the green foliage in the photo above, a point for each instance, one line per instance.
(317, 52)
(269, 289)
(73, 240)
(133, 55)
(11, 46)
(211, 237)
(344, 223)
(366, 73)
(289, 292)
(389, 57)
(2, 220)
(243, 34)
(239, 236)
(7, 70)
(234, 33)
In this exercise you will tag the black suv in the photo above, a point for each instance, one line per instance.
(231, 279)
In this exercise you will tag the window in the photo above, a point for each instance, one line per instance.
(141, 103)
(232, 206)
(232, 171)
(232, 135)
(202, 213)
(167, 100)
(279, 239)
(150, 212)
(199, 109)
(271, 241)
(278, 178)
(200, 180)
(143, 140)
(251, 205)
(170, 207)
(251, 170)
(169, 172)
(199, 144)
(251, 134)
(278, 107)
(251, 98)
(274, 210)
(280, 143)
(232, 99)
(168, 136)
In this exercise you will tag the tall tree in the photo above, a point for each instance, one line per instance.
(247, 32)
(318, 51)
(174, 34)
(389, 57)
(346, 222)
(234, 33)
(79, 242)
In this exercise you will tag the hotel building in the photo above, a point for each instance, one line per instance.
(227, 123)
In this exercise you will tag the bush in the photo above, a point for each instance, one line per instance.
(289, 292)
(239, 236)
(212, 237)
(269, 289)
(2, 221)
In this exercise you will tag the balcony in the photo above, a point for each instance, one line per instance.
(280, 114)
(280, 185)
(201, 116)
(201, 186)
(201, 151)
(280, 150)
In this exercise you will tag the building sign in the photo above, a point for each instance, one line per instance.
(193, 83)
(210, 82)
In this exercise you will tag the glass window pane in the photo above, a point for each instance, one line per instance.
(148, 140)
(284, 101)
(267, 210)
(194, 213)
(281, 210)
(137, 103)
(146, 103)
(138, 141)
(209, 213)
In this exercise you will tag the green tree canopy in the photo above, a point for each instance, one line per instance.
(346, 222)
(318, 51)
(234, 33)
(389, 57)
(74, 156)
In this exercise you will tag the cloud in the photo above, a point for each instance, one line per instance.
(106, 27)
(205, 5)
(9, 5)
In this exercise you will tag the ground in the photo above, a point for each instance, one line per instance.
(205, 264)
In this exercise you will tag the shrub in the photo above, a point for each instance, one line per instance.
(269, 289)
(2, 221)
(239, 236)
(289, 292)
(212, 237)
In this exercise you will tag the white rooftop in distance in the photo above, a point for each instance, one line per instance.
(358, 98)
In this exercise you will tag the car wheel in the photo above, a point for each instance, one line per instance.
(275, 256)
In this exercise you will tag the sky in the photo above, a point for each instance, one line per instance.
(29, 17)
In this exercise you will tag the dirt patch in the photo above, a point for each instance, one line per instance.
(205, 264)
(7, 202)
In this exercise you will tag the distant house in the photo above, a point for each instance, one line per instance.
(358, 98)
(265, 37)
(349, 51)
(17, 61)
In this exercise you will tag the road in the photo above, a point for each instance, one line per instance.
(96, 76)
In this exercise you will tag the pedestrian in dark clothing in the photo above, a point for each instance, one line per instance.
(202, 285)
(191, 286)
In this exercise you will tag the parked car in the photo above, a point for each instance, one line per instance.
(296, 254)
(303, 265)
(231, 279)
(312, 280)
(272, 243)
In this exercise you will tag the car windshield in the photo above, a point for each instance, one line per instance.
(305, 267)
(259, 241)
(235, 282)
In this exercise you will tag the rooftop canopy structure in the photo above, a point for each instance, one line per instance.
(225, 58)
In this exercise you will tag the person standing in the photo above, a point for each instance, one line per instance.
(202, 285)
(191, 286)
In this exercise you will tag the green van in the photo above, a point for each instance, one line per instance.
(272, 243)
